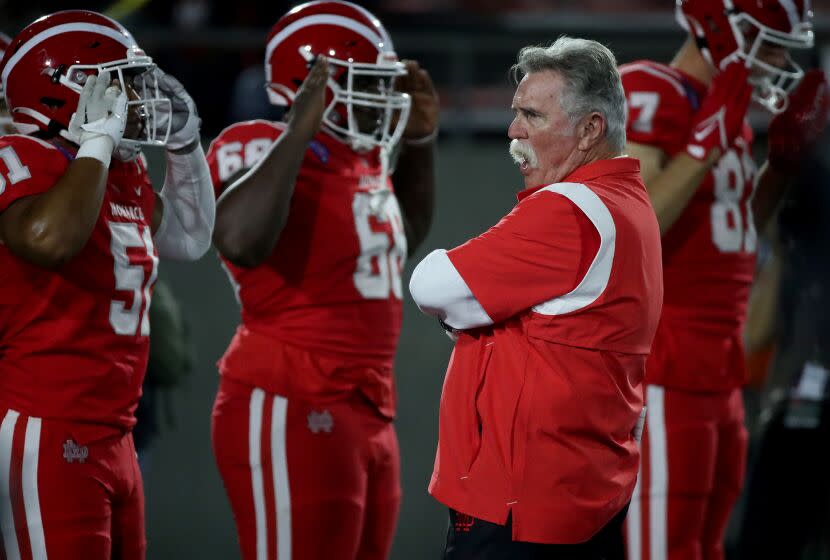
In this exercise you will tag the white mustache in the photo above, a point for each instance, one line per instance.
(523, 154)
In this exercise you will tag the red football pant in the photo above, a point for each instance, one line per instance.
(306, 481)
(691, 473)
(64, 499)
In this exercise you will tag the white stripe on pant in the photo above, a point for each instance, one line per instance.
(658, 488)
(31, 500)
(279, 464)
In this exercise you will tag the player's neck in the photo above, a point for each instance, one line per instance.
(689, 60)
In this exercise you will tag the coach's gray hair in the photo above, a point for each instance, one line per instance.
(593, 82)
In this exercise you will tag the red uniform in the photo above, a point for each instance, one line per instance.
(695, 444)
(73, 352)
(302, 430)
(538, 412)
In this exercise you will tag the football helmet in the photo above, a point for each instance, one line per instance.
(5, 119)
(363, 67)
(47, 63)
(726, 30)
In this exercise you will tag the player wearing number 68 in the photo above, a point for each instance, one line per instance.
(314, 233)
(81, 233)
(687, 124)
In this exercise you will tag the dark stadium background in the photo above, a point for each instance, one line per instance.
(215, 48)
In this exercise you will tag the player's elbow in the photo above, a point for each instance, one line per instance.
(234, 248)
(42, 243)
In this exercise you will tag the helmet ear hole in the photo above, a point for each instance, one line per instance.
(52, 102)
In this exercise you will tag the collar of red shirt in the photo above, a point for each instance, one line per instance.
(599, 168)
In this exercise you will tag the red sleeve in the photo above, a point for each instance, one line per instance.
(240, 146)
(659, 111)
(540, 251)
(27, 167)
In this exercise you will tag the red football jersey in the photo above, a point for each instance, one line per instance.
(709, 253)
(74, 340)
(322, 315)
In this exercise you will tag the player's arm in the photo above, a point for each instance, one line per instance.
(51, 227)
(253, 210)
(185, 209)
(536, 253)
(792, 134)
(671, 183)
(414, 176)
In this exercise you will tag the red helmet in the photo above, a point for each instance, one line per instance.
(47, 63)
(727, 30)
(5, 119)
(360, 53)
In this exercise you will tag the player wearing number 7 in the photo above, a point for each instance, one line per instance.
(687, 125)
(81, 232)
(314, 236)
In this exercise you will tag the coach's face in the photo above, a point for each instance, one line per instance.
(543, 140)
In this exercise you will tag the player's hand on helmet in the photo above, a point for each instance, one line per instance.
(423, 116)
(101, 112)
(306, 114)
(721, 115)
(795, 131)
(181, 113)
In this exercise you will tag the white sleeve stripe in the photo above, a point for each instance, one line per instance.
(593, 284)
(663, 75)
(439, 290)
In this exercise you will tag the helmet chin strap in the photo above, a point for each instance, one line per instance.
(126, 152)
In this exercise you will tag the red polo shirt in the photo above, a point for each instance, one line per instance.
(537, 411)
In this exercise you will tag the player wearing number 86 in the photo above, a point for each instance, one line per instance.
(314, 236)
(687, 125)
(81, 233)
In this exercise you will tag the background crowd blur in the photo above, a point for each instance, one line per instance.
(216, 48)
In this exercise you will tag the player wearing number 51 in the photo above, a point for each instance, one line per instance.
(81, 232)
(554, 309)
(687, 125)
(314, 235)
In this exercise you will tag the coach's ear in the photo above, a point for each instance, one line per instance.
(591, 131)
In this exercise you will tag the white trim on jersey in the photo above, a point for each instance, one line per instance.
(11, 547)
(59, 29)
(31, 498)
(593, 284)
(255, 462)
(659, 473)
(439, 290)
(279, 465)
(657, 72)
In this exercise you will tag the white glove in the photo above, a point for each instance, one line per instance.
(99, 121)
(184, 129)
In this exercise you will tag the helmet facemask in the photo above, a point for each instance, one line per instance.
(771, 84)
(364, 97)
(145, 100)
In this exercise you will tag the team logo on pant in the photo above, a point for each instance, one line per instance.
(72, 451)
(320, 422)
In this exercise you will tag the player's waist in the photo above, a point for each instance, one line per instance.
(350, 337)
(281, 367)
(724, 317)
